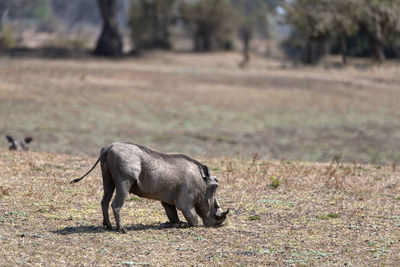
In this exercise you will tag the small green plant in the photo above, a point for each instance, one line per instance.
(133, 198)
(327, 216)
(275, 182)
(254, 218)
(333, 215)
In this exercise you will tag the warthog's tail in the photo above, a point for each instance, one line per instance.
(103, 151)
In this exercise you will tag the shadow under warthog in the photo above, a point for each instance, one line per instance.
(90, 229)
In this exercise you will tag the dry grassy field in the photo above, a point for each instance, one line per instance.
(204, 105)
(261, 130)
(282, 214)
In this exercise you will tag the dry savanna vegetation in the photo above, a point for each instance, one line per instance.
(282, 213)
(259, 129)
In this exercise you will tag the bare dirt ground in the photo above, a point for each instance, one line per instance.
(204, 105)
(282, 214)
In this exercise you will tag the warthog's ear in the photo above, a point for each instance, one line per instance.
(9, 139)
(28, 140)
(204, 171)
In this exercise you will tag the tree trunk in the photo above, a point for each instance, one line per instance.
(309, 52)
(206, 41)
(165, 42)
(246, 36)
(377, 41)
(379, 54)
(343, 46)
(110, 42)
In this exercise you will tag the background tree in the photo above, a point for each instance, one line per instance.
(342, 24)
(212, 23)
(150, 22)
(25, 8)
(16, 10)
(378, 20)
(110, 41)
(345, 22)
(253, 20)
(311, 19)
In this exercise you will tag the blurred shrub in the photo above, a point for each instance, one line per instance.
(150, 22)
(39, 9)
(354, 27)
(212, 23)
(42, 9)
(52, 24)
(379, 21)
(76, 43)
(7, 38)
(311, 26)
(305, 50)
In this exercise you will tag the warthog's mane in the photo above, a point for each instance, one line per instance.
(171, 157)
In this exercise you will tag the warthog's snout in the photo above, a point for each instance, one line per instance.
(221, 216)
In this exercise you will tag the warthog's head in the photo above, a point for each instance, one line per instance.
(208, 208)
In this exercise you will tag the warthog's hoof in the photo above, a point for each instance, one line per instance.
(183, 225)
(107, 226)
(122, 230)
(173, 225)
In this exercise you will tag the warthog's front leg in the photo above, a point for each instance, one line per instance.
(172, 215)
(190, 216)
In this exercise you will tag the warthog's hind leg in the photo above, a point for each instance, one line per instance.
(122, 192)
(109, 186)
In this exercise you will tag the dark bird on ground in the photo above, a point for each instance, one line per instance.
(19, 144)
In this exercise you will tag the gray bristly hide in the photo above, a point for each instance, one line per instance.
(19, 144)
(176, 180)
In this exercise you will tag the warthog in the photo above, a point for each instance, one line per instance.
(176, 180)
(18, 144)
